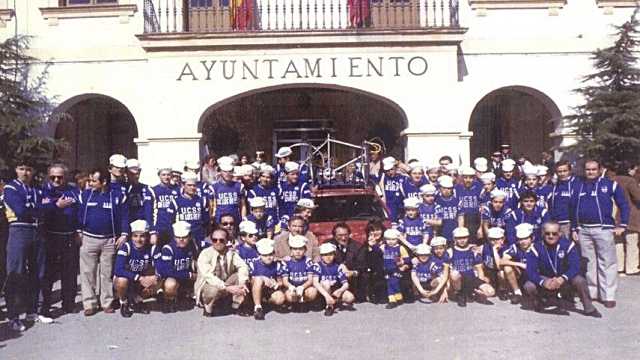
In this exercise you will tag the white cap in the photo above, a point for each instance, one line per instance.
(423, 249)
(433, 167)
(284, 151)
(530, 170)
(495, 233)
(193, 165)
(291, 166)
(257, 202)
(488, 177)
(265, 246)
(542, 170)
(460, 232)
(411, 203)
(392, 234)
(327, 248)
(177, 168)
(297, 241)
(306, 203)
(246, 170)
(181, 228)
(264, 168)
(439, 241)
(118, 160)
(467, 171)
(133, 165)
(508, 165)
(139, 226)
(524, 230)
(481, 164)
(428, 189)
(388, 163)
(445, 181)
(416, 165)
(248, 227)
(189, 176)
(225, 163)
(451, 168)
(498, 193)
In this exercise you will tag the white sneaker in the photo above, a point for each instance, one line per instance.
(17, 325)
(39, 318)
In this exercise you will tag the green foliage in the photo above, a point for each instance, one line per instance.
(24, 110)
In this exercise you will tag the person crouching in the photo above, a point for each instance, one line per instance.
(297, 276)
(331, 281)
(175, 266)
(265, 278)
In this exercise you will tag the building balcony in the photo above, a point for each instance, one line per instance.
(246, 16)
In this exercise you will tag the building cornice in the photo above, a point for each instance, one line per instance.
(616, 3)
(123, 12)
(481, 6)
(299, 40)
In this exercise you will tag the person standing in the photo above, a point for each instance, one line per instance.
(26, 252)
(593, 228)
(559, 198)
(193, 209)
(139, 198)
(627, 250)
(391, 183)
(60, 220)
(162, 197)
(228, 195)
(291, 190)
(103, 226)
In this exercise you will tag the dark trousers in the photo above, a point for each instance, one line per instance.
(26, 263)
(62, 263)
(372, 286)
(577, 284)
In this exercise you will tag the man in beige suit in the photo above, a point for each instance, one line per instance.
(221, 273)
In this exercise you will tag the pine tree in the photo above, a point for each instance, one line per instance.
(24, 109)
(607, 125)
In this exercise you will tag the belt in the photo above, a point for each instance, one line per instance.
(97, 236)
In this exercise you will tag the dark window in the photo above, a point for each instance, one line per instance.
(343, 208)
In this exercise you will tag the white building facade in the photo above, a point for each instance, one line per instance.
(169, 80)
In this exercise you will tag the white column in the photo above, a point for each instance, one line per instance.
(157, 153)
(429, 147)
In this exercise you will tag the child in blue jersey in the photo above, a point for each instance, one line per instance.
(430, 212)
(134, 276)
(440, 267)
(190, 207)
(451, 216)
(492, 252)
(266, 281)
(162, 196)
(467, 275)
(265, 223)
(413, 229)
(508, 182)
(298, 272)
(427, 282)
(330, 281)
(397, 262)
(266, 189)
(390, 186)
(411, 187)
(176, 266)
(488, 181)
(530, 213)
(514, 261)
(228, 194)
(495, 213)
(248, 238)
(291, 190)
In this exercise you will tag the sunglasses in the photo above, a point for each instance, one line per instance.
(227, 224)
(548, 233)
(54, 177)
(218, 240)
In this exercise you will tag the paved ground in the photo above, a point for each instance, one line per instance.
(416, 331)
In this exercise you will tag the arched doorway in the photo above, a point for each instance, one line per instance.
(520, 116)
(267, 118)
(94, 126)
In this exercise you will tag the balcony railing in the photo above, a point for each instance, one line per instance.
(212, 16)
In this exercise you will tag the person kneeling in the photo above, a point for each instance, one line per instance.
(430, 274)
(134, 277)
(297, 275)
(464, 265)
(175, 266)
(265, 283)
(331, 281)
(514, 261)
(221, 274)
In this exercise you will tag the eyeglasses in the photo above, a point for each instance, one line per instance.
(252, 235)
(218, 240)
(549, 233)
(55, 177)
(227, 224)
